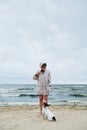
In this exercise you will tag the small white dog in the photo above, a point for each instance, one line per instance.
(46, 113)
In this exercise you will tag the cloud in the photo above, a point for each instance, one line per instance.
(35, 31)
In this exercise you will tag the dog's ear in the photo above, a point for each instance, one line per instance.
(48, 105)
(45, 104)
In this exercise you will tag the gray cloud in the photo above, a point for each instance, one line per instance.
(35, 31)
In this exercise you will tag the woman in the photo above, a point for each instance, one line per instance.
(43, 78)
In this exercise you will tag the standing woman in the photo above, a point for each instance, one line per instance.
(43, 78)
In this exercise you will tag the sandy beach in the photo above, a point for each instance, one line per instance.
(27, 118)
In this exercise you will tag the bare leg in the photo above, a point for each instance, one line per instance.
(46, 98)
(41, 98)
(41, 103)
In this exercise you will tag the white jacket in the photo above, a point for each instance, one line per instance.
(43, 81)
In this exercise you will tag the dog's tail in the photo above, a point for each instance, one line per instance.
(53, 118)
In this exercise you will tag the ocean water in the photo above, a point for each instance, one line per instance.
(26, 94)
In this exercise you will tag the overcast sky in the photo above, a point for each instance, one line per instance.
(51, 31)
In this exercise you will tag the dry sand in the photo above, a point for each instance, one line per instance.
(27, 118)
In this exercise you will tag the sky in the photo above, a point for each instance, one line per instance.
(51, 31)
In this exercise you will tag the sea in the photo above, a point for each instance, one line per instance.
(26, 94)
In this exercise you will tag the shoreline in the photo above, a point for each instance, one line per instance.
(32, 107)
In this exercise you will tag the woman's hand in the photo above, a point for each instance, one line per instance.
(37, 74)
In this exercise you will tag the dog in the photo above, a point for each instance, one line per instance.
(46, 113)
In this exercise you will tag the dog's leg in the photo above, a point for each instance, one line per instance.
(44, 116)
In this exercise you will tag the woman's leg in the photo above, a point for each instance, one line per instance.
(45, 98)
(41, 98)
(41, 103)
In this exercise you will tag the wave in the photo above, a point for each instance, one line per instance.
(4, 90)
(78, 95)
(29, 95)
(74, 89)
(18, 95)
(25, 89)
(63, 100)
(78, 88)
(9, 95)
(12, 90)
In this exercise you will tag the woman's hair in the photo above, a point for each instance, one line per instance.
(44, 64)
